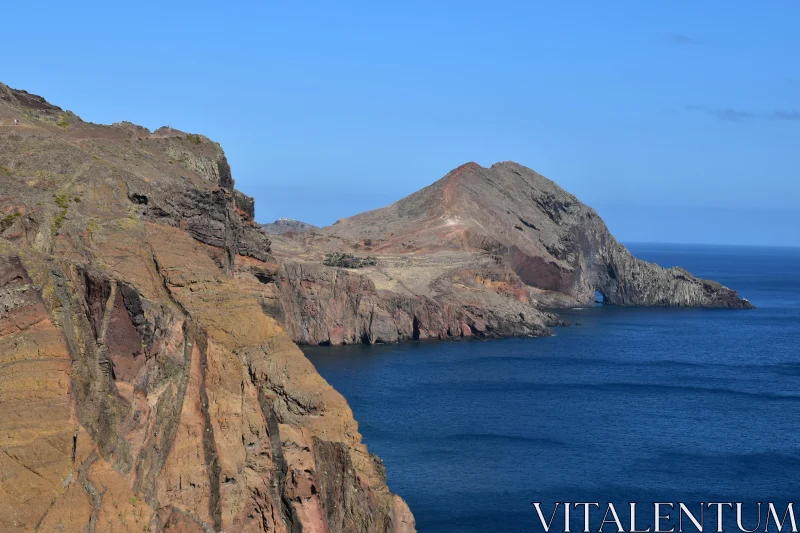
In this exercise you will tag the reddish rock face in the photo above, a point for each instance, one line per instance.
(143, 385)
(37, 430)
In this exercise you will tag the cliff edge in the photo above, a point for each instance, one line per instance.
(143, 384)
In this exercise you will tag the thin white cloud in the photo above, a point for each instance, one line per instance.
(740, 115)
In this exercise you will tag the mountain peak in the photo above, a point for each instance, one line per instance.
(470, 165)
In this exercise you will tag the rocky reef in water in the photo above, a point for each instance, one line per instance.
(482, 252)
(144, 385)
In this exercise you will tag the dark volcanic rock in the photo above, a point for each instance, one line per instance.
(210, 215)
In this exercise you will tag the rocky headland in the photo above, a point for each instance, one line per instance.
(144, 384)
(482, 252)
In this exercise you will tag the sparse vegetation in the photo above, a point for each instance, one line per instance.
(196, 139)
(128, 223)
(4, 170)
(7, 220)
(62, 201)
(62, 122)
(58, 220)
(345, 260)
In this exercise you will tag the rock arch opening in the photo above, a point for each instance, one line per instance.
(599, 298)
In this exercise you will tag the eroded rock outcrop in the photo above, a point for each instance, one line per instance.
(287, 225)
(143, 387)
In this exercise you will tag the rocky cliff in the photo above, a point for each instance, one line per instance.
(482, 251)
(324, 305)
(143, 384)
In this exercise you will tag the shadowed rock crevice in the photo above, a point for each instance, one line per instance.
(99, 405)
(209, 443)
(285, 509)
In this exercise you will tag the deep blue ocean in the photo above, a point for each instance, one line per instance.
(633, 404)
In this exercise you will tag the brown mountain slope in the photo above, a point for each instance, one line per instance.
(142, 385)
(549, 238)
(482, 251)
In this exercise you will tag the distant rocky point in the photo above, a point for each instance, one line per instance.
(286, 225)
(482, 252)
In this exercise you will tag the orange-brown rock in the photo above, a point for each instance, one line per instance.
(143, 384)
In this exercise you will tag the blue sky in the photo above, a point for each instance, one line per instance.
(678, 121)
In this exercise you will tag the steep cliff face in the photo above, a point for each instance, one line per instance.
(482, 251)
(143, 387)
(325, 305)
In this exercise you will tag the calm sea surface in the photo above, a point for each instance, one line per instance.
(634, 404)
